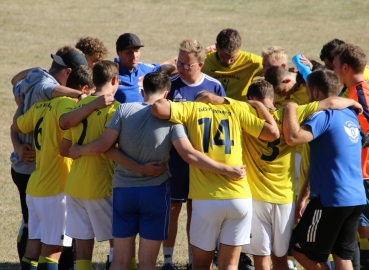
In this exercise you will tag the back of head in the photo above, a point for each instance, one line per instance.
(92, 46)
(351, 55)
(275, 53)
(65, 49)
(193, 46)
(260, 90)
(229, 40)
(325, 81)
(156, 83)
(104, 71)
(276, 75)
(328, 48)
(80, 77)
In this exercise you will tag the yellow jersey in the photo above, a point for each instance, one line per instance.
(216, 130)
(90, 177)
(52, 170)
(270, 166)
(236, 78)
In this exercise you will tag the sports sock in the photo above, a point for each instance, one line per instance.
(22, 241)
(291, 263)
(364, 253)
(111, 254)
(168, 254)
(84, 264)
(189, 254)
(46, 263)
(132, 264)
(29, 264)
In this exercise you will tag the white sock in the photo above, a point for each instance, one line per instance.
(291, 264)
(168, 254)
(111, 254)
(189, 254)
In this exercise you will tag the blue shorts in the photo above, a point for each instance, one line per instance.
(141, 210)
(180, 180)
(364, 217)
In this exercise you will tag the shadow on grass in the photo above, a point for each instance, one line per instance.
(95, 266)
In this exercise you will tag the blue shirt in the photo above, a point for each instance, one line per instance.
(182, 91)
(128, 89)
(335, 158)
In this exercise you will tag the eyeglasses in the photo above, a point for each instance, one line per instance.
(183, 65)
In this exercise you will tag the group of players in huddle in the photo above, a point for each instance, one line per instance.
(111, 149)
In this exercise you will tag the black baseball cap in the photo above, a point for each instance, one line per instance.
(70, 59)
(128, 40)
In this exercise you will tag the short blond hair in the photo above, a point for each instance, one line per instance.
(193, 46)
(275, 53)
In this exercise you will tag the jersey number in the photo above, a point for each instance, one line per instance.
(223, 128)
(38, 130)
(275, 152)
(84, 130)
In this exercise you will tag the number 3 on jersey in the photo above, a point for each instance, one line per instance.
(223, 128)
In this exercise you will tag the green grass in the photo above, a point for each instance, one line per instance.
(31, 30)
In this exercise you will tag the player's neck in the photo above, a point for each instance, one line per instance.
(103, 90)
(195, 79)
(354, 79)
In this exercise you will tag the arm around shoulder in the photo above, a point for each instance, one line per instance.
(161, 109)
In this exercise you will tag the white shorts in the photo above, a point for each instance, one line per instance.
(87, 219)
(226, 220)
(297, 171)
(271, 229)
(47, 217)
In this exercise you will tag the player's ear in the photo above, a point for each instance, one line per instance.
(84, 89)
(142, 93)
(114, 80)
(201, 64)
(283, 65)
(68, 71)
(165, 94)
(286, 80)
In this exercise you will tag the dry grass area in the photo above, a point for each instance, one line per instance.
(31, 30)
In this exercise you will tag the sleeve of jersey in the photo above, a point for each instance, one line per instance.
(151, 67)
(180, 111)
(318, 122)
(179, 131)
(115, 122)
(25, 121)
(68, 135)
(249, 122)
(304, 111)
(64, 106)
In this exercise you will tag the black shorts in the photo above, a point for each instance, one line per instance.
(180, 180)
(21, 181)
(324, 230)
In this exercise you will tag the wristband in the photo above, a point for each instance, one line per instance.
(80, 95)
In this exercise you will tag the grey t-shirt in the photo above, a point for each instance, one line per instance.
(144, 138)
(37, 86)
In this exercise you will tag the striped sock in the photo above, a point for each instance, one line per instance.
(29, 264)
(46, 263)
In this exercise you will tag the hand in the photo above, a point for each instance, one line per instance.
(26, 153)
(300, 208)
(236, 172)
(19, 100)
(154, 168)
(211, 48)
(104, 101)
(203, 98)
(254, 103)
(306, 62)
(74, 151)
(357, 108)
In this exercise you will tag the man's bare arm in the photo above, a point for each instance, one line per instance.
(211, 98)
(161, 109)
(303, 196)
(293, 133)
(74, 117)
(339, 103)
(169, 66)
(203, 162)
(24, 150)
(154, 168)
(20, 76)
(63, 91)
(270, 131)
(96, 147)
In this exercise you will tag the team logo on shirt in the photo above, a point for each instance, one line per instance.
(352, 131)
(178, 98)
